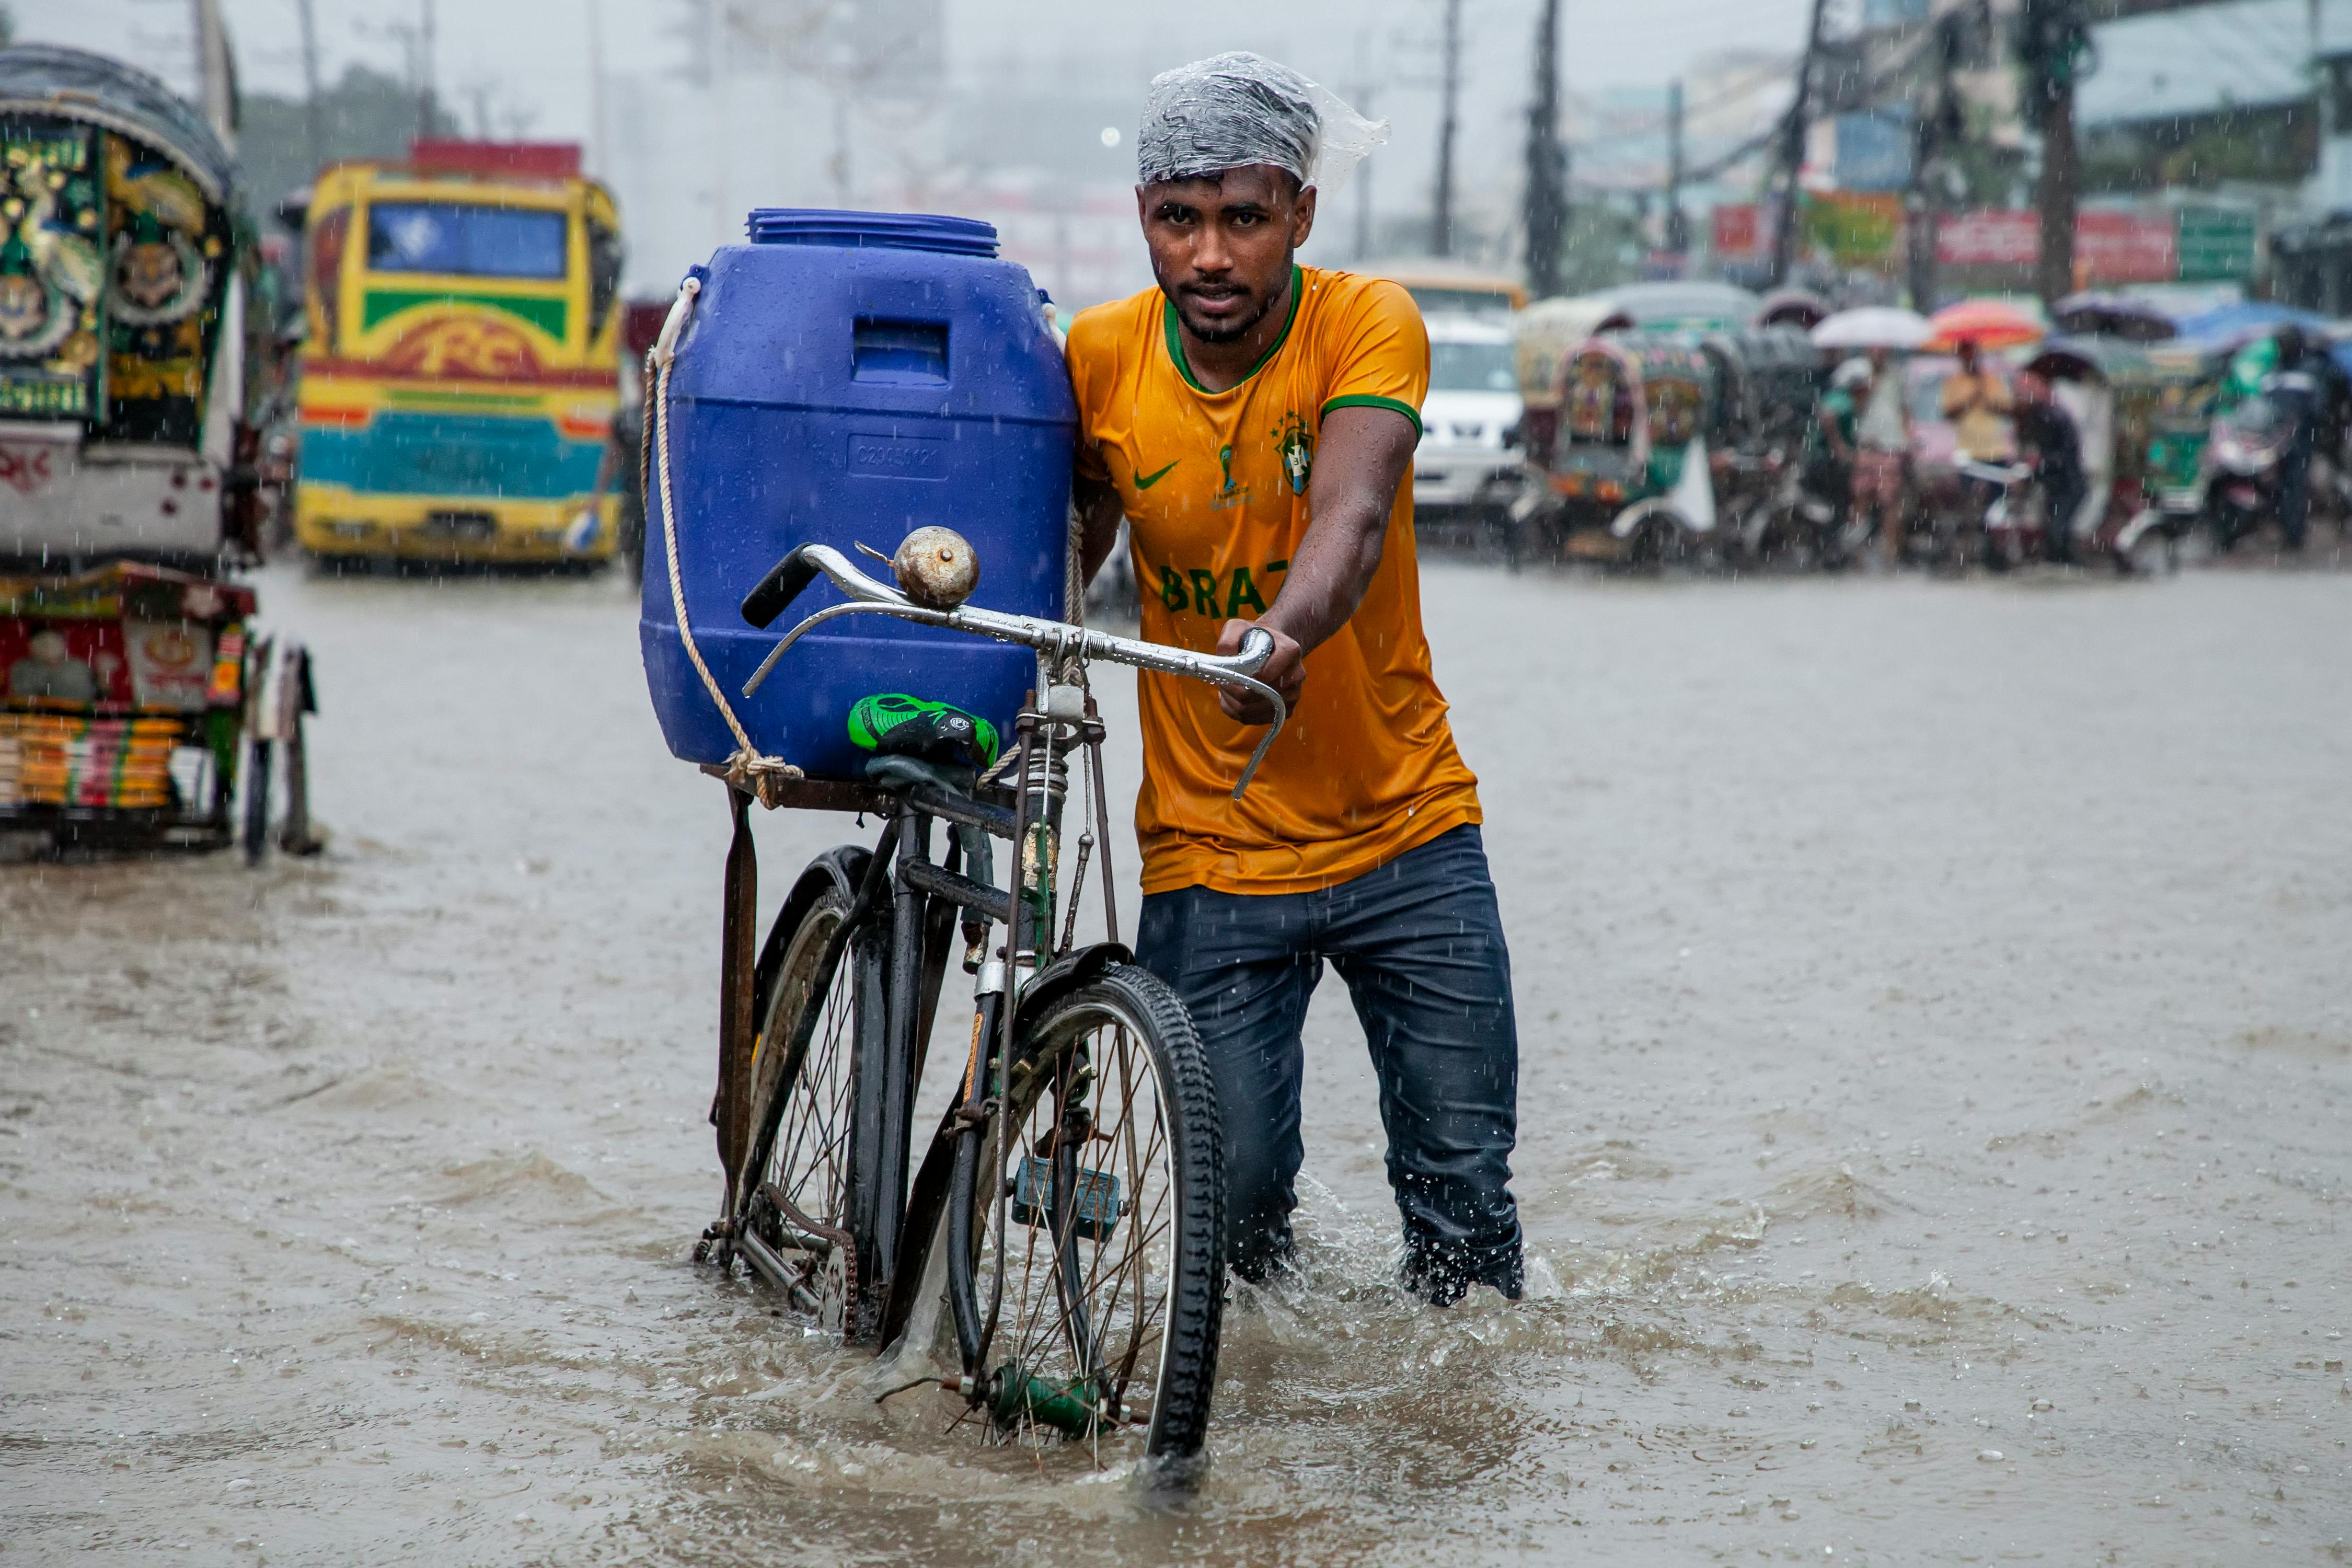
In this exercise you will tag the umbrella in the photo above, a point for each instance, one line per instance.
(1792, 307)
(1988, 323)
(2232, 324)
(2113, 316)
(1873, 327)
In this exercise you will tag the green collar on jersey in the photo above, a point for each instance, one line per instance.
(1176, 340)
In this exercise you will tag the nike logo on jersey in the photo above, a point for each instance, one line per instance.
(1145, 481)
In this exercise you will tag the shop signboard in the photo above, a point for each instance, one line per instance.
(1874, 150)
(2110, 246)
(2125, 248)
(2217, 245)
(1988, 237)
(1854, 229)
(1738, 230)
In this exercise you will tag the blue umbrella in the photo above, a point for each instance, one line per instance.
(2236, 323)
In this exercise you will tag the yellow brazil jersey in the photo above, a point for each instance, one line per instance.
(1216, 489)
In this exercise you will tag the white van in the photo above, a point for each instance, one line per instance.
(1470, 421)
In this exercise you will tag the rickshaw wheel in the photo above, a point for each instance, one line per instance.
(1656, 537)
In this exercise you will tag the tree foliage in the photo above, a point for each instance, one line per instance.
(367, 114)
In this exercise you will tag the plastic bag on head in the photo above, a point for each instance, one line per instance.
(1232, 110)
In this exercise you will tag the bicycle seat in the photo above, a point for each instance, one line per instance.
(891, 724)
(898, 774)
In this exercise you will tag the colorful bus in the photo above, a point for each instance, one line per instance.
(460, 373)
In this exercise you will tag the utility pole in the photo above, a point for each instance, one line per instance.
(1792, 148)
(1545, 210)
(1939, 124)
(599, 148)
(2052, 36)
(1363, 101)
(1440, 222)
(313, 135)
(1677, 230)
(425, 95)
(215, 73)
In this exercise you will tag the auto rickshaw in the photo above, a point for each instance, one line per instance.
(134, 348)
(1627, 479)
(2107, 388)
(1768, 382)
(1542, 337)
(2184, 389)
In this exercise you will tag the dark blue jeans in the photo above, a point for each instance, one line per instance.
(1420, 943)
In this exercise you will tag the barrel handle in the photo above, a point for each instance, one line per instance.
(746, 764)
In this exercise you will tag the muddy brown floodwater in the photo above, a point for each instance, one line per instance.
(1937, 1063)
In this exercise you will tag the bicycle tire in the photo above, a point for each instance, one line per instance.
(1159, 1343)
(817, 1032)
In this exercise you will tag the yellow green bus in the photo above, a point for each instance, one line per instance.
(461, 366)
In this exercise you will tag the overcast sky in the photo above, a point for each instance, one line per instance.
(533, 55)
(528, 62)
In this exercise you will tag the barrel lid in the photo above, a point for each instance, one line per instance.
(884, 231)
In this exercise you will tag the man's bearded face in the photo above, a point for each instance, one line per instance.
(1222, 246)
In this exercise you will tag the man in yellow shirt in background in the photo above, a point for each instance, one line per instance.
(1254, 421)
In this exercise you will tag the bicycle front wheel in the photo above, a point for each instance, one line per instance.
(1104, 1256)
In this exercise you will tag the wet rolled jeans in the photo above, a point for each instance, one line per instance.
(1419, 943)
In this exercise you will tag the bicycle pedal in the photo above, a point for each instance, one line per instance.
(1094, 1201)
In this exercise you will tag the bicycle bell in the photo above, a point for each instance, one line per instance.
(935, 568)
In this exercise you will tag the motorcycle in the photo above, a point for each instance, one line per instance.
(2010, 531)
(1818, 510)
(2242, 464)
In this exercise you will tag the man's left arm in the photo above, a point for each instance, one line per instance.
(1360, 461)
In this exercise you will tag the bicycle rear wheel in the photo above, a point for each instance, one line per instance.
(1104, 1240)
(821, 1022)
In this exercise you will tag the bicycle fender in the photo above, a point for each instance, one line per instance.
(919, 1230)
(1063, 975)
(842, 867)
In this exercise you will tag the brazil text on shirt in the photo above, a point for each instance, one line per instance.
(1205, 593)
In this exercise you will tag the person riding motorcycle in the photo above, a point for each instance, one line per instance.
(2297, 391)
(1827, 475)
(2047, 437)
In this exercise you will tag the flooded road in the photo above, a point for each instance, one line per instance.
(1938, 1065)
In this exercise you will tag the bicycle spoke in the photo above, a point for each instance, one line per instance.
(1089, 1294)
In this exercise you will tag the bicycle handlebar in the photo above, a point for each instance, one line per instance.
(791, 576)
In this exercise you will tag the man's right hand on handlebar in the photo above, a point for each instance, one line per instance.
(1285, 670)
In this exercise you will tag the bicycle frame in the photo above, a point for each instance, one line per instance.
(904, 1222)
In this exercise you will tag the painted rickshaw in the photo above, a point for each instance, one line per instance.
(1768, 381)
(1627, 477)
(134, 691)
(2176, 391)
(2109, 388)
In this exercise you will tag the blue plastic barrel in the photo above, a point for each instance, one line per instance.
(848, 377)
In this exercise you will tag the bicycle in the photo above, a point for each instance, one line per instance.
(1067, 1216)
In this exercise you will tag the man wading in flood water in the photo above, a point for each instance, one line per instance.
(1255, 421)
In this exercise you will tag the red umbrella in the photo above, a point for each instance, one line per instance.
(1988, 323)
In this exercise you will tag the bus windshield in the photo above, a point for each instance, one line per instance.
(1471, 367)
(466, 239)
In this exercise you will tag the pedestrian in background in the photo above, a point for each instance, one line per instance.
(1977, 403)
(1829, 438)
(1883, 452)
(2295, 392)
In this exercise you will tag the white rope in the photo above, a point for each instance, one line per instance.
(743, 767)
